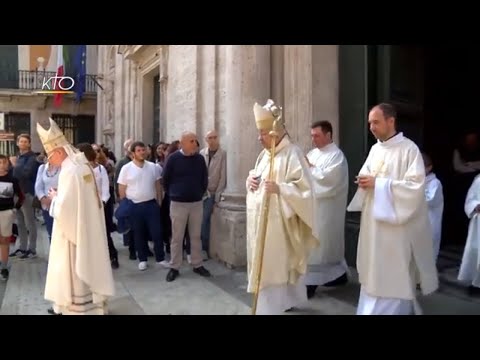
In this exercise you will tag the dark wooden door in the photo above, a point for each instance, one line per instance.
(401, 81)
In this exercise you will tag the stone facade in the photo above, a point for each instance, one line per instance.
(215, 86)
(23, 99)
(41, 108)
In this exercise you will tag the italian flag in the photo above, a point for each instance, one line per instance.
(57, 99)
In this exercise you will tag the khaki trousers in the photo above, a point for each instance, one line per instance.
(183, 214)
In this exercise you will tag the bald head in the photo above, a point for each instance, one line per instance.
(212, 140)
(188, 143)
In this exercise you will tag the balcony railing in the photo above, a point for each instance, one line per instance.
(34, 80)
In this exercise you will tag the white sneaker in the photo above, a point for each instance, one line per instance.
(189, 259)
(142, 265)
(164, 263)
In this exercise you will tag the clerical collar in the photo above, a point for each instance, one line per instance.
(398, 137)
(391, 137)
(327, 147)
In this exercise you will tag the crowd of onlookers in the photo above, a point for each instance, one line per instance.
(161, 193)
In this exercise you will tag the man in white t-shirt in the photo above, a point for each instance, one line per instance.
(139, 182)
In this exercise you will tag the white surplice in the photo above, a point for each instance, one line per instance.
(395, 248)
(434, 197)
(470, 267)
(330, 176)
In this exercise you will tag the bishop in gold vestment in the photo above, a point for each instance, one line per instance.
(79, 276)
(289, 235)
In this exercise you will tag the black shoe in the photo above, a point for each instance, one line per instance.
(172, 275)
(290, 310)
(4, 274)
(473, 291)
(132, 256)
(202, 271)
(311, 291)
(114, 263)
(29, 254)
(342, 280)
(18, 253)
(52, 312)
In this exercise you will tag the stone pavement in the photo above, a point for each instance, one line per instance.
(147, 292)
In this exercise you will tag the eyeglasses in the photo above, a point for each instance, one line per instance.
(51, 154)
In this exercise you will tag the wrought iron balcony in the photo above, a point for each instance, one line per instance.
(34, 80)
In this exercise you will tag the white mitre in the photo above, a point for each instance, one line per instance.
(52, 138)
(266, 115)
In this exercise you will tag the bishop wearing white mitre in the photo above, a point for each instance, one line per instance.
(79, 275)
(290, 234)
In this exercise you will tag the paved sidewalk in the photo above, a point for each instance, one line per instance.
(147, 292)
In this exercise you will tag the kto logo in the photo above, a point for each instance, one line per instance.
(57, 85)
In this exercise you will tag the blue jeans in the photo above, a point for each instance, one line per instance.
(48, 223)
(208, 204)
(146, 217)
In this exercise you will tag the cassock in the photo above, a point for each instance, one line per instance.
(330, 176)
(289, 236)
(434, 197)
(470, 267)
(395, 247)
(79, 276)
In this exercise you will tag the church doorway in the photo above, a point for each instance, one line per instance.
(433, 89)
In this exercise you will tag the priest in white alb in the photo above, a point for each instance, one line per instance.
(79, 275)
(470, 268)
(395, 247)
(327, 266)
(290, 234)
(435, 203)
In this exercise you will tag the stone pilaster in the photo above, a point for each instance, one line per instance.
(298, 92)
(247, 81)
(163, 91)
(278, 54)
(207, 79)
(101, 67)
(325, 85)
(182, 92)
(311, 89)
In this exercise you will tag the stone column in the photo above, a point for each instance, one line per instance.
(247, 81)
